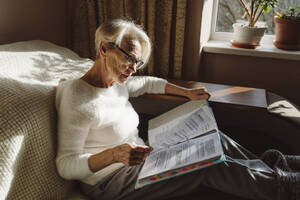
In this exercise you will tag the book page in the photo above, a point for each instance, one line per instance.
(197, 122)
(176, 113)
(186, 153)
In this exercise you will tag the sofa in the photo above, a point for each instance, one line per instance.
(29, 74)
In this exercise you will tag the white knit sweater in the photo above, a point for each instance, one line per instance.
(91, 120)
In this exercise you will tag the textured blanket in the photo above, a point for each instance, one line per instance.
(287, 168)
(29, 73)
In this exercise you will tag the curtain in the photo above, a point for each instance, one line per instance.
(163, 20)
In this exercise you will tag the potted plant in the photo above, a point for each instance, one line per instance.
(248, 35)
(287, 29)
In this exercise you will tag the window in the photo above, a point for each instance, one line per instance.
(228, 12)
(216, 29)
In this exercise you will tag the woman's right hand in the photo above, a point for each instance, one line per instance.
(131, 154)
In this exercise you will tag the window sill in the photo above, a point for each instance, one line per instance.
(266, 51)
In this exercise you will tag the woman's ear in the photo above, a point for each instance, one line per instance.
(102, 49)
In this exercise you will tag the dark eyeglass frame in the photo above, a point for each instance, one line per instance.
(129, 57)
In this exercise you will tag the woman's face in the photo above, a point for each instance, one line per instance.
(119, 63)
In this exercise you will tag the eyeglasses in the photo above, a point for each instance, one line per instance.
(129, 58)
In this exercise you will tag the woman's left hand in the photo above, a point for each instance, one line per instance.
(197, 94)
(191, 93)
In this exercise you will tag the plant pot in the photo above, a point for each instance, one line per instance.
(247, 37)
(287, 34)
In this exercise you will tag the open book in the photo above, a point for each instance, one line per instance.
(184, 139)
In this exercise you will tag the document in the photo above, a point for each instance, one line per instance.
(184, 139)
(179, 130)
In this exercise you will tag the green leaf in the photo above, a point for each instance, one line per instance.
(266, 4)
(267, 9)
(292, 11)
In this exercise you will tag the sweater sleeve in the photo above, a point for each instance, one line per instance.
(73, 128)
(139, 85)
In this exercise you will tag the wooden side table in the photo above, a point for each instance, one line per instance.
(221, 95)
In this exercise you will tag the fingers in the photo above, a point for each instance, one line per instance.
(206, 96)
(199, 94)
(200, 90)
(131, 154)
(144, 149)
(135, 158)
(139, 154)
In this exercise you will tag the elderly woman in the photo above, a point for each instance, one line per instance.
(98, 141)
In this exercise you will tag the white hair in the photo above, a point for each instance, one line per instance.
(115, 30)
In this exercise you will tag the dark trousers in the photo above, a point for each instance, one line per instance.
(243, 174)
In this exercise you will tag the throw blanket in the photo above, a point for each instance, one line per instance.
(287, 168)
(29, 72)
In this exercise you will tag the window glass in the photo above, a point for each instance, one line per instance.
(231, 11)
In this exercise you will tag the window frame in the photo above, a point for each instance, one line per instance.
(212, 5)
(219, 42)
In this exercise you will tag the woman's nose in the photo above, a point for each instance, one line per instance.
(132, 68)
